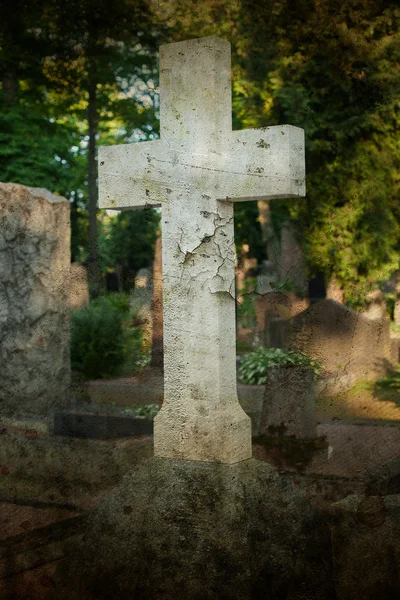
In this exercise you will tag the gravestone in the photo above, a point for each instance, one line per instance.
(34, 301)
(292, 262)
(78, 287)
(334, 291)
(276, 305)
(157, 355)
(199, 157)
(339, 337)
(289, 403)
(267, 280)
(202, 519)
(375, 306)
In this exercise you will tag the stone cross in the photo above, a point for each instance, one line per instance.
(195, 171)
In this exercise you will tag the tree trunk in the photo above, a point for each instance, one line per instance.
(93, 264)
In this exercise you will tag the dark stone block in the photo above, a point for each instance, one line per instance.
(192, 530)
(100, 426)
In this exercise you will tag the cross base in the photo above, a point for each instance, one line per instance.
(221, 436)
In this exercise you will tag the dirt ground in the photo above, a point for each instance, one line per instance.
(366, 401)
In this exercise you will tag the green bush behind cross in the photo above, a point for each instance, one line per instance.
(106, 338)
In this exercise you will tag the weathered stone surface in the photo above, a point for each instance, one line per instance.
(334, 291)
(292, 261)
(78, 287)
(276, 305)
(201, 531)
(62, 462)
(197, 169)
(366, 549)
(289, 402)
(375, 307)
(341, 338)
(100, 425)
(34, 300)
(268, 278)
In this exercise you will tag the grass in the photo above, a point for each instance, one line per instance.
(367, 400)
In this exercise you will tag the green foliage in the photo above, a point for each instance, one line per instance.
(253, 369)
(105, 342)
(147, 411)
(36, 149)
(128, 240)
(248, 231)
(334, 72)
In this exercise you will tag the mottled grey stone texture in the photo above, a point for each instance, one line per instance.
(339, 337)
(365, 537)
(34, 300)
(289, 402)
(192, 530)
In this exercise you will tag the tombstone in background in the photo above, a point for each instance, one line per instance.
(339, 337)
(140, 302)
(278, 333)
(273, 305)
(78, 287)
(34, 301)
(267, 280)
(289, 403)
(375, 307)
(334, 291)
(157, 355)
(201, 519)
(292, 262)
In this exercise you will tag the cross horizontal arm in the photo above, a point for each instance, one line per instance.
(263, 163)
(252, 164)
(126, 178)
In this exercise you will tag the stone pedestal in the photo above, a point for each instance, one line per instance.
(289, 402)
(191, 530)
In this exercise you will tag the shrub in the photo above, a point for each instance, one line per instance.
(253, 369)
(104, 340)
